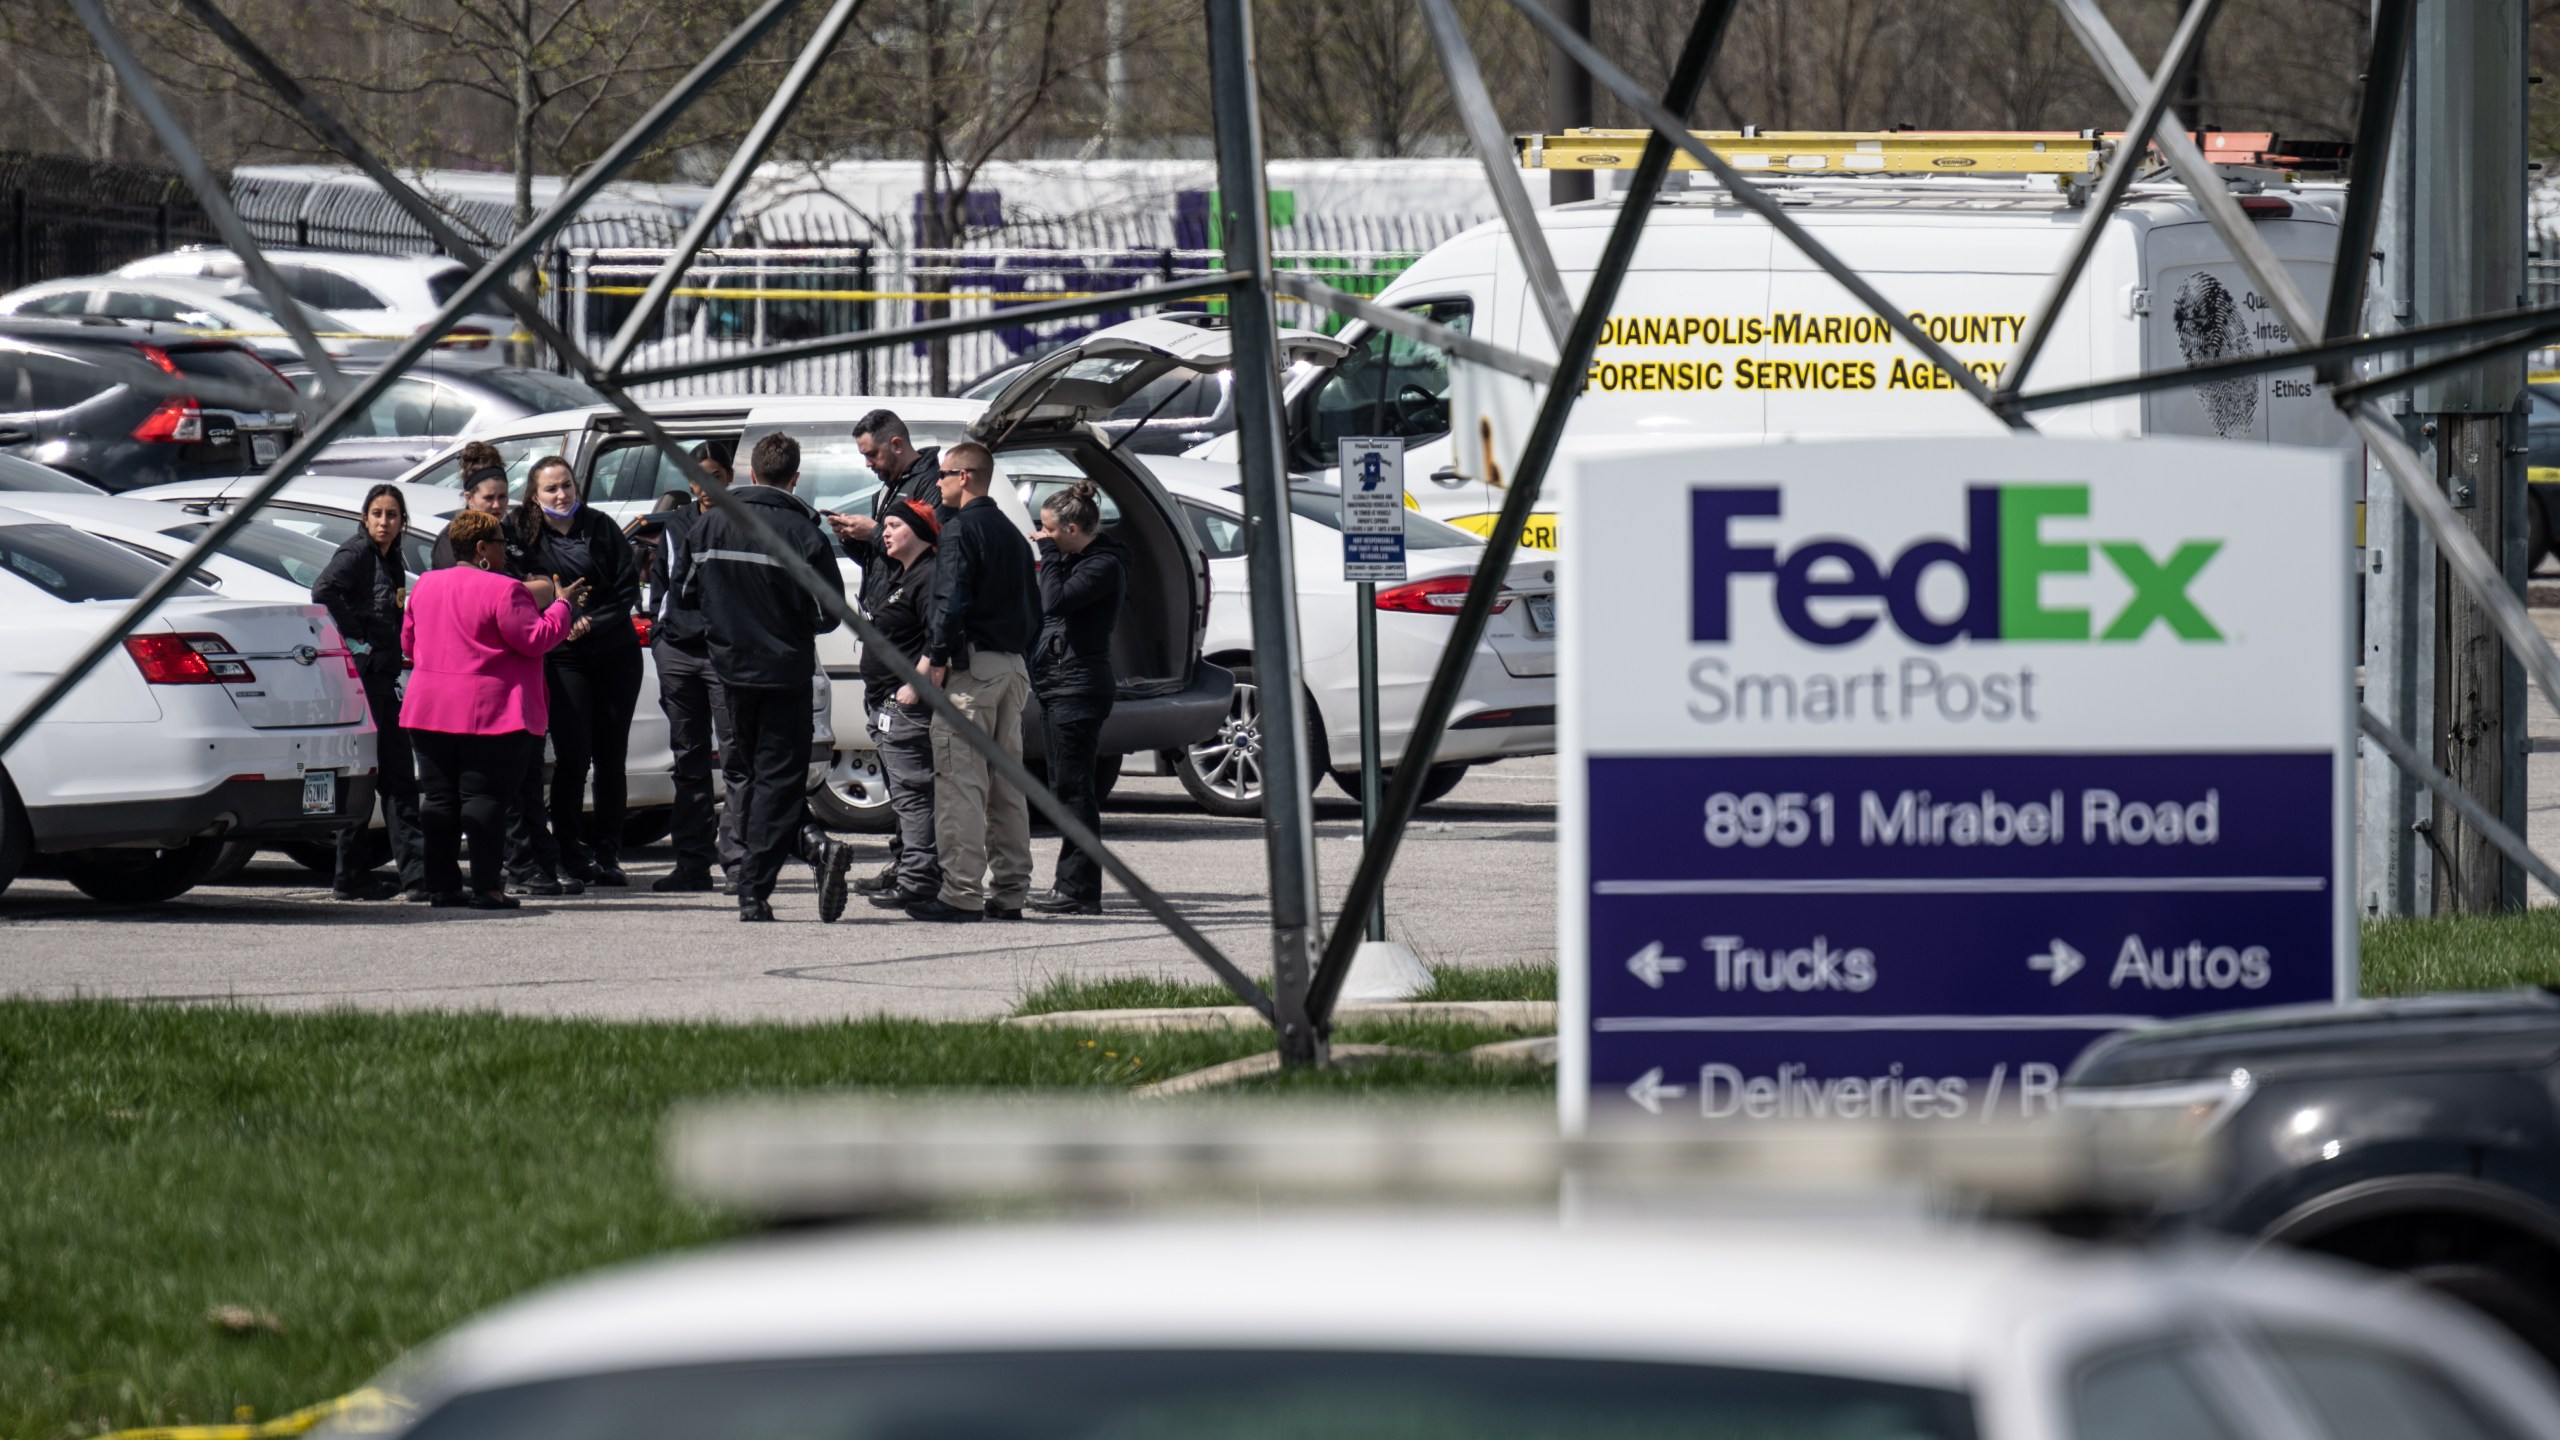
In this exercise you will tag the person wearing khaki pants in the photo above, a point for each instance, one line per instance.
(981, 825)
(986, 612)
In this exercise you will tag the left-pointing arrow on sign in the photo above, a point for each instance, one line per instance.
(1650, 965)
(1650, 1092)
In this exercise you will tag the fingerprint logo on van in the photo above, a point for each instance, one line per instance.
(2211, 327)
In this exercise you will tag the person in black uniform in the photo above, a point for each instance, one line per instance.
(905, 473)
(902, 725)
(364, 586)
(697, 713)
(764, 631)
(1083, 575)
(594, 675)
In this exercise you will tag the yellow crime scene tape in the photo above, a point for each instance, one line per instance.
(702, 293)
(366, 1410)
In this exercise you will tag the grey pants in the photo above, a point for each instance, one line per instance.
(905, 743)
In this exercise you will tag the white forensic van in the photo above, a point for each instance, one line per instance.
(1723, 328)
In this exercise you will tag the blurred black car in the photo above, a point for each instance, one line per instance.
(122, 409)
(2420, 1136)
(433, 405)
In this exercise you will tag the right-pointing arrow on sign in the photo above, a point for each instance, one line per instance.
(2061, 959)
(1650, 1092)
(1650, 965)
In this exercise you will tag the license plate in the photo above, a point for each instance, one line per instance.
(320, 792)
(264, 448)
(1542, 613)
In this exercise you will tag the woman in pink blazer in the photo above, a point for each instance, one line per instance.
(476, 708)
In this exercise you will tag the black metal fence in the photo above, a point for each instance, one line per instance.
(67, 216)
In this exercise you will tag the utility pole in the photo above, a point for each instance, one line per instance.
(2467, 217)
(2395, 864)
(1288, 815)
(1568, 101)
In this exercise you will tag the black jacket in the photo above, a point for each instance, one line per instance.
(1079, 604)
(764, 628)
(988, 599)
(904, 616)
(923, 481)
(361, 585)
(679, 624)
(596, 550)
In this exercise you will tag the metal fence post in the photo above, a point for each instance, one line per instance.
(1287, 806)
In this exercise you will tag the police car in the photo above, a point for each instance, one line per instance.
(1490, 1327)
(1722, 328)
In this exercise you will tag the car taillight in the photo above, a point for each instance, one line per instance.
(187, 660)
(1443, 596)
(159, 357)
(464, 337)
(176, 420)
(642, 625)
(2265, 207)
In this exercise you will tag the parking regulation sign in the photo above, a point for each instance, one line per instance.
(1897, 772)
(1373, 509)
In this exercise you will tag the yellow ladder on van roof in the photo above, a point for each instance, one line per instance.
(1833, 152)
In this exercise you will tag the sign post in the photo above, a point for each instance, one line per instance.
(1895, 773)
(1373, 511)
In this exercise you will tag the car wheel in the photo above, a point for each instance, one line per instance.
(855, 795)
(648, 826)
(142, 877)
(17, 838)
(1224, 772)
(1435, 786)
(2524, 1309)
(236, 855)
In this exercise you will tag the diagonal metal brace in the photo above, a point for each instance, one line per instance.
(1011, 770)
(1672, 128)
(1413, 327)
(1492, 144)
(2473, 813)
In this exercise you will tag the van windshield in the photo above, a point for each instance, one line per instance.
(1387, 386)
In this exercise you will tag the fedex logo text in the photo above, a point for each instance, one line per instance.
(2002, 561)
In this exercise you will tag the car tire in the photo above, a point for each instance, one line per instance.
(236, 855)
(2537, 533)
(2526, 1310)
(854, 797)
(646, 827)
(17, 836)
(1443, 778)
(1223, 773)
(142, 877)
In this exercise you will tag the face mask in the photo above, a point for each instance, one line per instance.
(561, 514)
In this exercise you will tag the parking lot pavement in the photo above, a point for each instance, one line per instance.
(1474, 884)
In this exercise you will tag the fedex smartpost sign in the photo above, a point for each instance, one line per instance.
(1896, 772)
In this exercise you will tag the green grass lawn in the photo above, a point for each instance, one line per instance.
(368, 1180)
(1143, 992)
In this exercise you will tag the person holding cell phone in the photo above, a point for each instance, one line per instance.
(594, 674)
(478, 704)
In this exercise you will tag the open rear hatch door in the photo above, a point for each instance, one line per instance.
(1096, 375)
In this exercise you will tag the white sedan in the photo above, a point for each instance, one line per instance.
(219, 720)
(1828, 1328)
(1506, 707)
